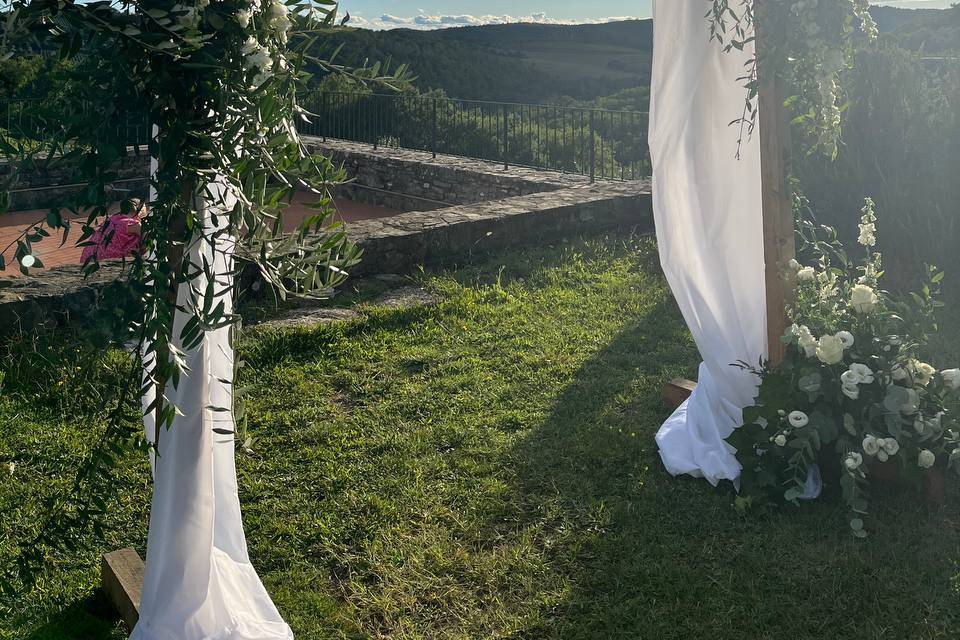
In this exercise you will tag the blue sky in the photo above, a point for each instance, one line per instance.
(427, 14)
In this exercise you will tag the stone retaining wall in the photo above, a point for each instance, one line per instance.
(47, 184)
(407, 180)
(537, 206)
(400, 179)
(401, 243)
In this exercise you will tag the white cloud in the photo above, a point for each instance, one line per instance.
(425, 21)
(916, 4)
(389, 19)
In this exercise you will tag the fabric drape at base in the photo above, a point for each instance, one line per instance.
(708, 213)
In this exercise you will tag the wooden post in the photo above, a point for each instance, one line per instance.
(779, 239)
(122, 582)
(676, 392)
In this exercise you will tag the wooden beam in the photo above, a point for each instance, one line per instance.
(122, 582)
(779, 240)
(676, 392)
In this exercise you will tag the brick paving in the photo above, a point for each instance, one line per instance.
(53, 255)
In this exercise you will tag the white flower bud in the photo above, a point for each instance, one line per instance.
(798, 419)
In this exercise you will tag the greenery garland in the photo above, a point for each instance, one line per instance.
(220, 79)
(809, 43)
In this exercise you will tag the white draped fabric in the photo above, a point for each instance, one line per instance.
(707, 206)
(199, 582)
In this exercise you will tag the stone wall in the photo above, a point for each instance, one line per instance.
(400, 244)
(492, 209)
(49, 183)
(400, 179)
(407, 180)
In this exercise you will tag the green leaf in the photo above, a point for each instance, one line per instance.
(216, 20)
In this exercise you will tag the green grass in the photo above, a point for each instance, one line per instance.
(486, 469)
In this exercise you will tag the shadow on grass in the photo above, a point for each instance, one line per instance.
(644, 555)
(90, 619)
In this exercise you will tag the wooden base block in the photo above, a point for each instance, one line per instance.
(122, 581)
(677, 391)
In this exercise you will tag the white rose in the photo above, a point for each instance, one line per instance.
(863, 299)
(926, 459)
(871, 446)
(882, 456)
(852, 391)
(277, 10)
(863, 372)
(781, 440)
(260, 59)
(243, 17)
(807, 342)
(846, 338)
(853, 461)
(890, 445)
(850, 377)
(924, 372)
(249, 46)
(794, 265)
(830, 350)
(282, 24)
(798, 419)
(807, 274)
(952, 378)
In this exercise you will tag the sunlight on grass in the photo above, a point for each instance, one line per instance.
(486, 469)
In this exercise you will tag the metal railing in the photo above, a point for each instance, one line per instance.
(598, 143)
(36, 119)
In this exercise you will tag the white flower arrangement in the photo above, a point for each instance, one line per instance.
(854, 381)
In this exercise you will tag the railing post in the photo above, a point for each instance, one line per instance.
(433, 138)
(323, 114)
(593, 148)
(376, 122)
(506, 134)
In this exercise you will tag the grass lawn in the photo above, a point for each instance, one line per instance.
(486, 469)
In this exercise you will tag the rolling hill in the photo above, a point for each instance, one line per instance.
(553, 63)
(515, 62)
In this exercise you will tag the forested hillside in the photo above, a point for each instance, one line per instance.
(547, 63)
(517, 62)
(532, 62)
(931, 31)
